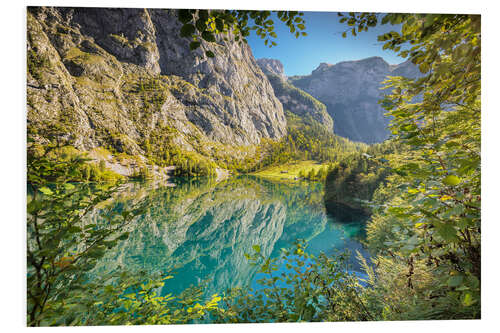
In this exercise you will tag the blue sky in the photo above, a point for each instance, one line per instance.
(324, 43)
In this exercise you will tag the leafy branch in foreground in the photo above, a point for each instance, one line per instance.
(131, 299)
(61, 244)
(432, 220)
(200, 24)
(298, 287)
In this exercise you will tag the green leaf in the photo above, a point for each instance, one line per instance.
(429, 20)
(424, 67)
(447, 231)
(201, 24)
(194, 45)
(455, 280)
(96, 253)
(219, 24)
(468, 300)
(256, 248)
(451, 180)
(208, 36)
(74, 229)
(187, 30)
(123, 236)
(457, 209)
(203, 14)
(46, 190)
(34, 206)
(184, 15)
(210, 54)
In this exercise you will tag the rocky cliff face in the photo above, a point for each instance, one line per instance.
(294, 99)
(272, 66)
(123, 77)
(351, 90)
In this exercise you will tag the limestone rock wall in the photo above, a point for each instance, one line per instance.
(117, 77)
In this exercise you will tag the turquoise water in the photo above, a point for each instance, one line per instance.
(201, 230)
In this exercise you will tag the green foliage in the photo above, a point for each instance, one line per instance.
(120, 39)
(295, 170)
(132, 299)
(201, 24)
(81, 58)
(191, 164)
(426, 197)
(142, 173)
(354, 179)
(63, 245)
(306, 140)
(298, 287)
(317, 175)
(433, 217)
(54, 163)
(60, 246)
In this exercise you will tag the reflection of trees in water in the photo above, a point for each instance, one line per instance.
(203, 229)
(345, 213)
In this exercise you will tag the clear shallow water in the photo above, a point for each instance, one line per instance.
(201, 230)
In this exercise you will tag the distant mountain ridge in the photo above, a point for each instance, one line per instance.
(351, 91)
(294, 99)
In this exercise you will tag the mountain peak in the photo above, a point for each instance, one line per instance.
(272, 66)
(374, 61)
(322, 67)
(374, 58)
(351, 90)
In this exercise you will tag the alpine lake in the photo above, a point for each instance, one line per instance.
(199, 231)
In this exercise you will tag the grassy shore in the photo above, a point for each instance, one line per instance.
(291, 170)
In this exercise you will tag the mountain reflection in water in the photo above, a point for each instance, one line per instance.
(201, 230)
